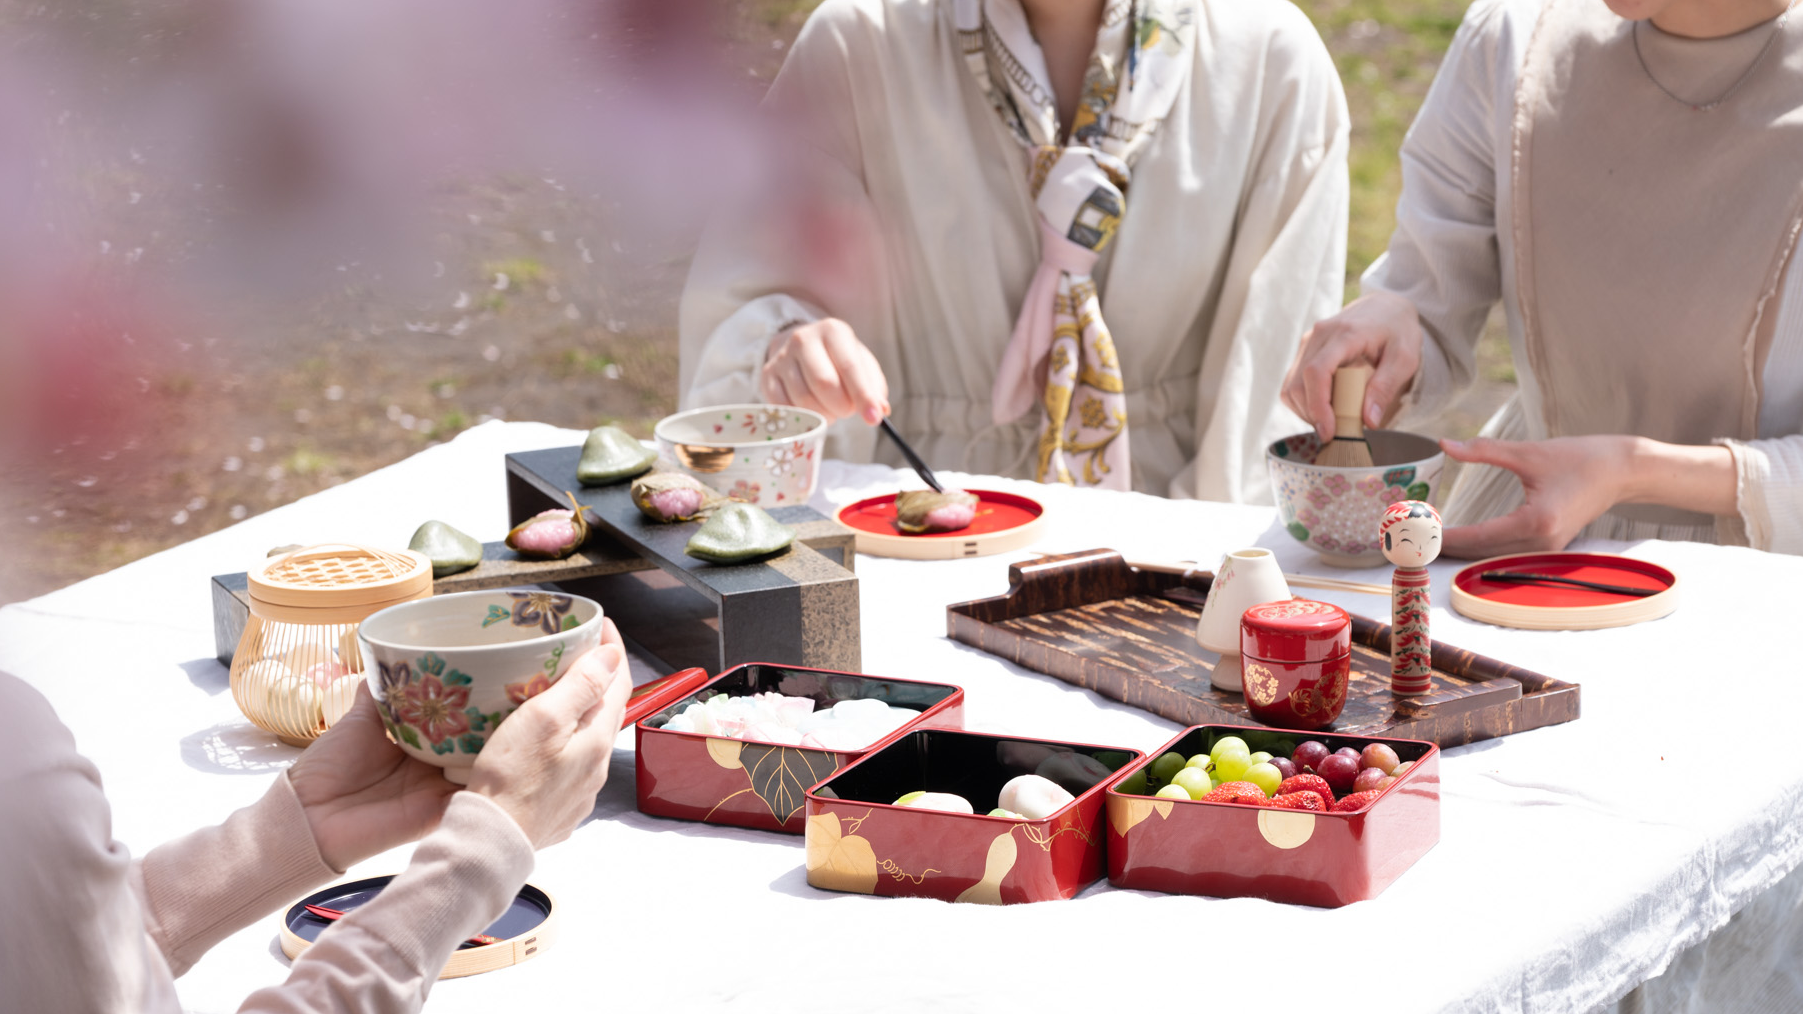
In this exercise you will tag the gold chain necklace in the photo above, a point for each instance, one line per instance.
(1771, 37)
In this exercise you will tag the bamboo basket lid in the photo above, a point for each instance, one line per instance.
(337, 583)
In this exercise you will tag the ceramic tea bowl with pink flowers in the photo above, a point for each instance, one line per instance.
(446, 670)
(768, 455)
(1336, 511)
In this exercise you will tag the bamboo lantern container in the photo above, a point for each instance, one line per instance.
(297, 666)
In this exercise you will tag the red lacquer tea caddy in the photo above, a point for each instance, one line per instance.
(1295, 659)
(1231, 850)
(858, 841)
(723, 780)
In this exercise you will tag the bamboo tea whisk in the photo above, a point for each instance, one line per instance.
(1348, 448)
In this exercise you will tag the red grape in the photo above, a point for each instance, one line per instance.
(1347, 751)
(1285, 766)
(1370, 778)
(1340, 771)
(1399, 770)
(1309, 755)
(1379, 755)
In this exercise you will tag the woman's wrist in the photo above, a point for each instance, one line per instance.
(1689, 477)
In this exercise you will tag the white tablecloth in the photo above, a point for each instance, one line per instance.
(1575, 861)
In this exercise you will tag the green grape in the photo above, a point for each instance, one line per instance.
(1265, 776)
(1231, 764)
(1200, 760)
(1134, 784)
(1194, 781)
(1226, 743)
(1260, 756)
(1172, 792)
(1166, 766)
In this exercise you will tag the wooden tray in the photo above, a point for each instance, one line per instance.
(1090, 619)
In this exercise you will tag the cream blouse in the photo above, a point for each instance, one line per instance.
(93, 930)
(920, 232)
(1449, 258)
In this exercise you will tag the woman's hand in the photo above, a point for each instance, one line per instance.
(823, 366)
(360, 793)
(548, 759)
(1570, 482)
(1381, 329)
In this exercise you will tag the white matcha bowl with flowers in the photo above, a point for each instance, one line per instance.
(446, 670)
(767, 455)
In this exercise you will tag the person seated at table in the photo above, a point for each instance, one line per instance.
(1063, 239)
(1629, 189)
(90, 929)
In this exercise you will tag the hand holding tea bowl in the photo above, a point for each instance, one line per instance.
(446, 671)
(362, 796)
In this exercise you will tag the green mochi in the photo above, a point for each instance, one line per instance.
(611, 454)
(738, 532)
(449, 549)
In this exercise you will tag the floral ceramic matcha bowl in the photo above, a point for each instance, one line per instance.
(446, 670)
(1336, 511)
(768, 455)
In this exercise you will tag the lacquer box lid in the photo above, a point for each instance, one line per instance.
(1300, 630)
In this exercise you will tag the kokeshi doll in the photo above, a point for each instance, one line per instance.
(1410, 533)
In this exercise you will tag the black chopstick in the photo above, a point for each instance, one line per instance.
(1522, 578)
(920, 467)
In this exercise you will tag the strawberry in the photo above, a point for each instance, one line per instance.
(1236, 792)
(1356, 800)
(1303, 799)
(1307, 783)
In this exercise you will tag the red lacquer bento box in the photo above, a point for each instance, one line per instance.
(859, 841)
(1232, 850)
(723, 780)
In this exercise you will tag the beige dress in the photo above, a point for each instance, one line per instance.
(87, 928)
(1635, 304)
(905, 210)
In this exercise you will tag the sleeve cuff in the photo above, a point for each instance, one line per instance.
(201, 888)
(462, 877)
(1768, 493)
(732, 362)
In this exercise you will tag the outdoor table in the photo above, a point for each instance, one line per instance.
(1574, 862)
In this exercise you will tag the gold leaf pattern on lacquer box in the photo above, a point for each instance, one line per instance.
(838, 861)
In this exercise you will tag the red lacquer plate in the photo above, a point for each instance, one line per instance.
(1530, 606)
(1004, 521)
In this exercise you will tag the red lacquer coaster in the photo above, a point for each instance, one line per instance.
(1550, 605)
(1004, 521)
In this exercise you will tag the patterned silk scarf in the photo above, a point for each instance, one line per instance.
(1061, 353)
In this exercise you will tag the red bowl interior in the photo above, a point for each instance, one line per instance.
(1615, 570)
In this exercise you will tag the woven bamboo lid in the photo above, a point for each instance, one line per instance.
(337, 583)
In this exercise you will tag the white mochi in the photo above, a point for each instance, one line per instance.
(1034, 797)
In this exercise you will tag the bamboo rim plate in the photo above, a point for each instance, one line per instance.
(1004, 522)
(527, 927)
(1528, 606)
